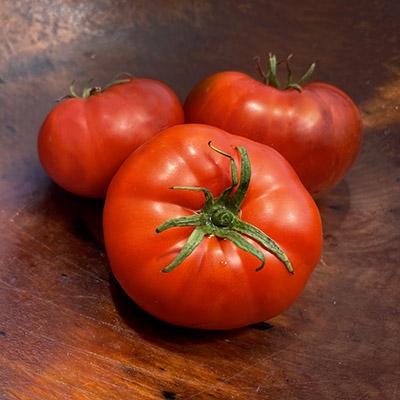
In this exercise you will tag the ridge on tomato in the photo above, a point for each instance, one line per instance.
(315, 126)
(84, 140)
(209, 230)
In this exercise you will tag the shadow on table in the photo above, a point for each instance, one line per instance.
(163, 334)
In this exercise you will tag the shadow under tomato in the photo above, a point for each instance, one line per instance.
(166, 335)
(334, 207)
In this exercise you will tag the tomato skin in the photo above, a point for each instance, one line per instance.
(83, 141)
(217, 286)
(318, 130)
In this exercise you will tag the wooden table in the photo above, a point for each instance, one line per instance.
(67, 330)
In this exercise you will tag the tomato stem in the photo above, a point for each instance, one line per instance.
(271, 78)
(88, 90)
(221, 217)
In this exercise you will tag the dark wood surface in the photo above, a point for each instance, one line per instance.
(67, 331)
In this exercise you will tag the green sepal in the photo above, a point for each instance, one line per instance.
(220, 217)
(271, 76)
(88, 90)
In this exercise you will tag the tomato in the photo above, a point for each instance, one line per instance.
(316, 127)
(83, 141)
(214, 236)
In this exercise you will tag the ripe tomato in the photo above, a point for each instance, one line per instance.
(83, 141)
(316, 127)
(209, 266)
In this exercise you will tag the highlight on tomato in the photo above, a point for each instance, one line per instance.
(208, 230)
(315, 126)
(84, 140)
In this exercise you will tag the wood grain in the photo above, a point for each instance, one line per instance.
(68, 331)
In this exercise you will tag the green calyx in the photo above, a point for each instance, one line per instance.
(88, 90)
(221, 217)
(271, 78)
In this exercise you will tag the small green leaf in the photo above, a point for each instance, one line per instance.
(194, 240)
(271, 76)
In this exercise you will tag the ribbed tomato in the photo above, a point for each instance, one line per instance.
(84, 140)
(209, 230)
(315, 126)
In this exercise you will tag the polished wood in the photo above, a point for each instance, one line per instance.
(67, 330)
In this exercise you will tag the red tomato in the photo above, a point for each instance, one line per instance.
(210, 267)
(83, 141)
(317, 128)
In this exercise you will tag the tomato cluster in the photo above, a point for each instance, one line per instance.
(209, 218)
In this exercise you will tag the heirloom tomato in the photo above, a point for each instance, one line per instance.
(315, 126)
(209, 230)
(84, 140)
